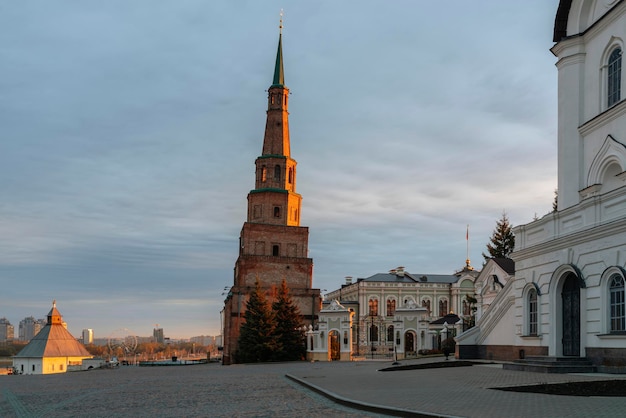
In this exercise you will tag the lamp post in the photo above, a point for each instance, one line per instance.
(446, 348)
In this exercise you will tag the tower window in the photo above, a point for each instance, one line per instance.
(263, 173)
(275, 250)
(277, 173)
(290, 175)
(276, 211)
(614, 74)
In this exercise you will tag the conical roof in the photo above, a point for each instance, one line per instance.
(54, 340)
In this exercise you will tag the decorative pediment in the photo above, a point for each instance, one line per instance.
(335, 306)
(611, 152)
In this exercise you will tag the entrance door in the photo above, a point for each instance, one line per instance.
(335, 349)
(409, 343)
(571, 316)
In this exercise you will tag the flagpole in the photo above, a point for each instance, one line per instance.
(467, 260)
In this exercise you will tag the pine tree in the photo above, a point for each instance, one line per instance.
(288, 320)
(502, 241)
(257, 339)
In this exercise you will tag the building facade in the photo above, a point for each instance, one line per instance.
(272, 245)
(568, 294)
(393, 314)
(29, 327)
(53, 350)
(87, 336)
(7, 331)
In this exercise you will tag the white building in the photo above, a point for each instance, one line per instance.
(395, 313)
(568, 294)
(87, 336)
(52, 350)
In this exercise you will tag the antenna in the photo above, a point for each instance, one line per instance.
(280, 26)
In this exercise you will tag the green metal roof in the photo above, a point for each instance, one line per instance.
(279, 73)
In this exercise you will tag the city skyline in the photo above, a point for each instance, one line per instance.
(131, 132)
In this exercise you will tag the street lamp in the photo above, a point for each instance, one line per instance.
(446, 348)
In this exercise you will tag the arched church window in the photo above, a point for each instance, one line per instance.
(617, 314)
(277, 173)
(263, 173)
(276, 211)
(275, 250)
(290, 175)
(373, 306)
(532, 312)
(391, 307)
(614, 77)
(390, 333)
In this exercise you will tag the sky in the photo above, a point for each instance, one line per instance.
(129, 131)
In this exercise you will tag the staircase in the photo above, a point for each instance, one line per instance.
(541, 364)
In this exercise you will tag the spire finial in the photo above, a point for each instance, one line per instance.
(54, 303)
(279, 75)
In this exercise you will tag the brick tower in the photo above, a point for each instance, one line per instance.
(272, 244)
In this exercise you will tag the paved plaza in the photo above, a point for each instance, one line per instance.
(293, 390)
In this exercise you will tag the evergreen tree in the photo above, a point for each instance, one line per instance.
(502, 241)
(257, 339)
(288, 319)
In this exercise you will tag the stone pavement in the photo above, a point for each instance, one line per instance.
(456, 391)
(263, 390)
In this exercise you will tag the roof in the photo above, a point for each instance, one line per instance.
(506, 264)
(54, 340)
(449, 319)
(407, 277)
(560, 22)
(279, 73)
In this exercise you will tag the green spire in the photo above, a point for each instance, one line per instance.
(279, 73)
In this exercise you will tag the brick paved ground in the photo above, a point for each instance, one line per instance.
(186, 391)
(461, 391)
(264, 391)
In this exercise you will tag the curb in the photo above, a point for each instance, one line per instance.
(364, 406)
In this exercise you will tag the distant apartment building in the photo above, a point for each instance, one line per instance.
(6, 331)
(204, 340)
(29, 327)
(157, 334)
(87, 336)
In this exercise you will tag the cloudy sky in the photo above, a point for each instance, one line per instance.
(129, 130)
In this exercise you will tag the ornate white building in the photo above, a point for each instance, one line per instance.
(568, 294)
(395, 313)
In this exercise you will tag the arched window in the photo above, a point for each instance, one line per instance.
(275, 250)
(390, 333)
(391, 307)
(263, 173)
(614, 77)
(373, 305)
(373, 333)
(426, 304)
(443, 307)
(290, 175)
(616, 291)
(532, 312)
(277, 173)
(276, 211)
